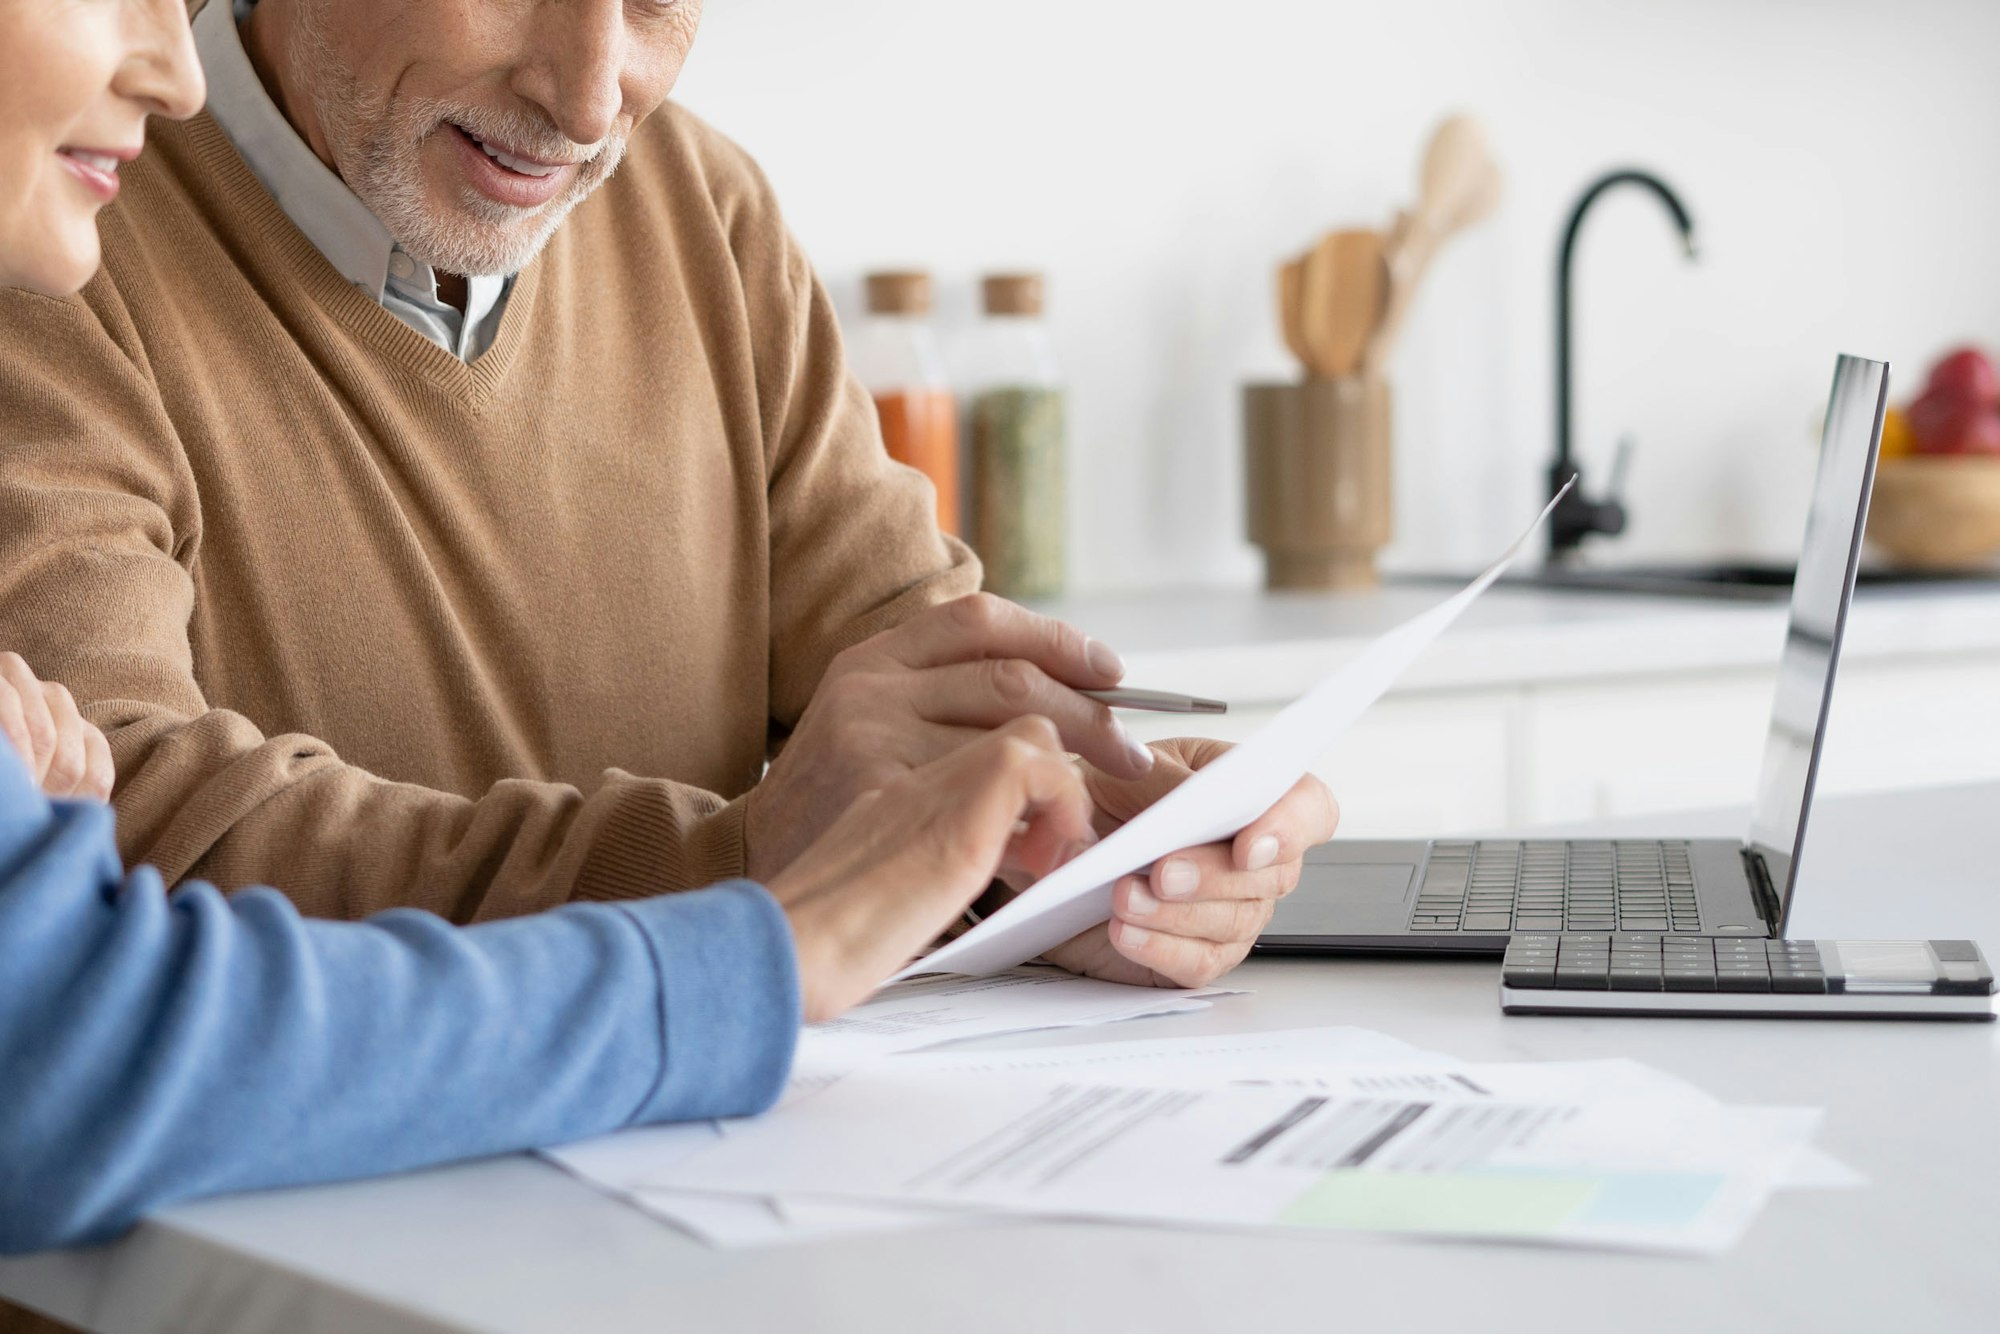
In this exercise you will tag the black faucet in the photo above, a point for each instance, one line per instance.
(1578, 516)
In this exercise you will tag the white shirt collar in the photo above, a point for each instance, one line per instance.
(319, 203)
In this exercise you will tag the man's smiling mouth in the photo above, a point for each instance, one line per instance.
(525, 166)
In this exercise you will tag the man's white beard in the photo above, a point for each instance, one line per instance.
(378, 149)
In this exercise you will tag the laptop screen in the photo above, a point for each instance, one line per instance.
(1820, 596)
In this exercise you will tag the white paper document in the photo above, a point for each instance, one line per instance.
(920, 1013)
(1669, 1175)
(926, 1011)
(1335, 1061)
(1207, 1058)
(1214, 804)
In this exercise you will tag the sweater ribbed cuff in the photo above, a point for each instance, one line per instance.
(729, 1001)
(662, 838)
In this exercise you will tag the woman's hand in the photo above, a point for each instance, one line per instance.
(906, 859)
(65, 755)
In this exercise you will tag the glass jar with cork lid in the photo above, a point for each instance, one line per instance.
(896, 354)
(1016, 411)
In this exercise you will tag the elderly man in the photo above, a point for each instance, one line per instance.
(431, 516)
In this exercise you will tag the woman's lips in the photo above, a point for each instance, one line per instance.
(527, 183)
(97, 168)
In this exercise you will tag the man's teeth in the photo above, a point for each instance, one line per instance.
(103, 162)
(512, 163)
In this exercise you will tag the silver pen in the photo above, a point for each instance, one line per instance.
(1156, 701)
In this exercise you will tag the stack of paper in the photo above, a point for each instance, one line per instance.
(1445, 1157)
(1317, 1129)
(923, 1012)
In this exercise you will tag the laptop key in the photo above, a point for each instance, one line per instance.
(1496, 921)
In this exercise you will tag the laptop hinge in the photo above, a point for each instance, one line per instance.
(1762, 891)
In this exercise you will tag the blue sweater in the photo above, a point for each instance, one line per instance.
(156, 1047)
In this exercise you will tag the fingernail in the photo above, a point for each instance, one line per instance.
(1133, 937)
(1102, 660)
(1263, 853)
(1139, 903)
(1142, 754)
(1179, 878)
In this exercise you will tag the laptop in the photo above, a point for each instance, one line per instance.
(1467, 896)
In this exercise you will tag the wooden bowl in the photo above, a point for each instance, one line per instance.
(1936, 512)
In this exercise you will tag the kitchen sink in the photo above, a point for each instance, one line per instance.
(1747, 581)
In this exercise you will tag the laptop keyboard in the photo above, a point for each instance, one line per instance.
(1492, 886)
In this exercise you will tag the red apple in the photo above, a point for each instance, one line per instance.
(1946, 422)
(1969, 374)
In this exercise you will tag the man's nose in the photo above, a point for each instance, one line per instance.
(577, 70)
(160, 69)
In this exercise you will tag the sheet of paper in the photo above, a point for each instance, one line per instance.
(734, 1222)
(924, 1012)
(927, 1011)
(1303, 1055)
(1331, 1059)
(1214, 804)
(1623, 1172)
(1213, 1058)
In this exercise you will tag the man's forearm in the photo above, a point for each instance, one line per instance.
(214, 798)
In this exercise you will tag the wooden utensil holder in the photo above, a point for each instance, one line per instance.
(1317, 459)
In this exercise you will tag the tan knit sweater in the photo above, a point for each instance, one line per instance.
(379, 627)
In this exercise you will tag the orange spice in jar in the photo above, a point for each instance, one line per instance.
(896, 354)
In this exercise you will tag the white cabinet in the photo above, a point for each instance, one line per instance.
(1643, 743)
(1417, 764)
(1914, 724)
(1514, 755)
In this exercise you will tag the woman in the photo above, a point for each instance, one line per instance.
(156, 1047)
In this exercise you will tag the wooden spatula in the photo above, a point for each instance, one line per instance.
(1459, 185)
(1342, 301)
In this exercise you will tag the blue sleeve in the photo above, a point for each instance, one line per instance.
(157, 1047)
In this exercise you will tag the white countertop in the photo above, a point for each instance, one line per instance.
(514, 1245)
(1248, 646)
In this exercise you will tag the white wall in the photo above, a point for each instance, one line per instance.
(1157, 158)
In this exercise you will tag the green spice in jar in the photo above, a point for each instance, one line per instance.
(1018, 513)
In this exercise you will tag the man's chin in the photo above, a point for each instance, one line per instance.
(474, 237)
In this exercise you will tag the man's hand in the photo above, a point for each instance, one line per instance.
(65, 755)
(913, 694)
(903, 861)
(1194, 916)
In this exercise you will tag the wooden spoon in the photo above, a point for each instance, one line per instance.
(1342, 301)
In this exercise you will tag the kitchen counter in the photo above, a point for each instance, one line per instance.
(1248, 646)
